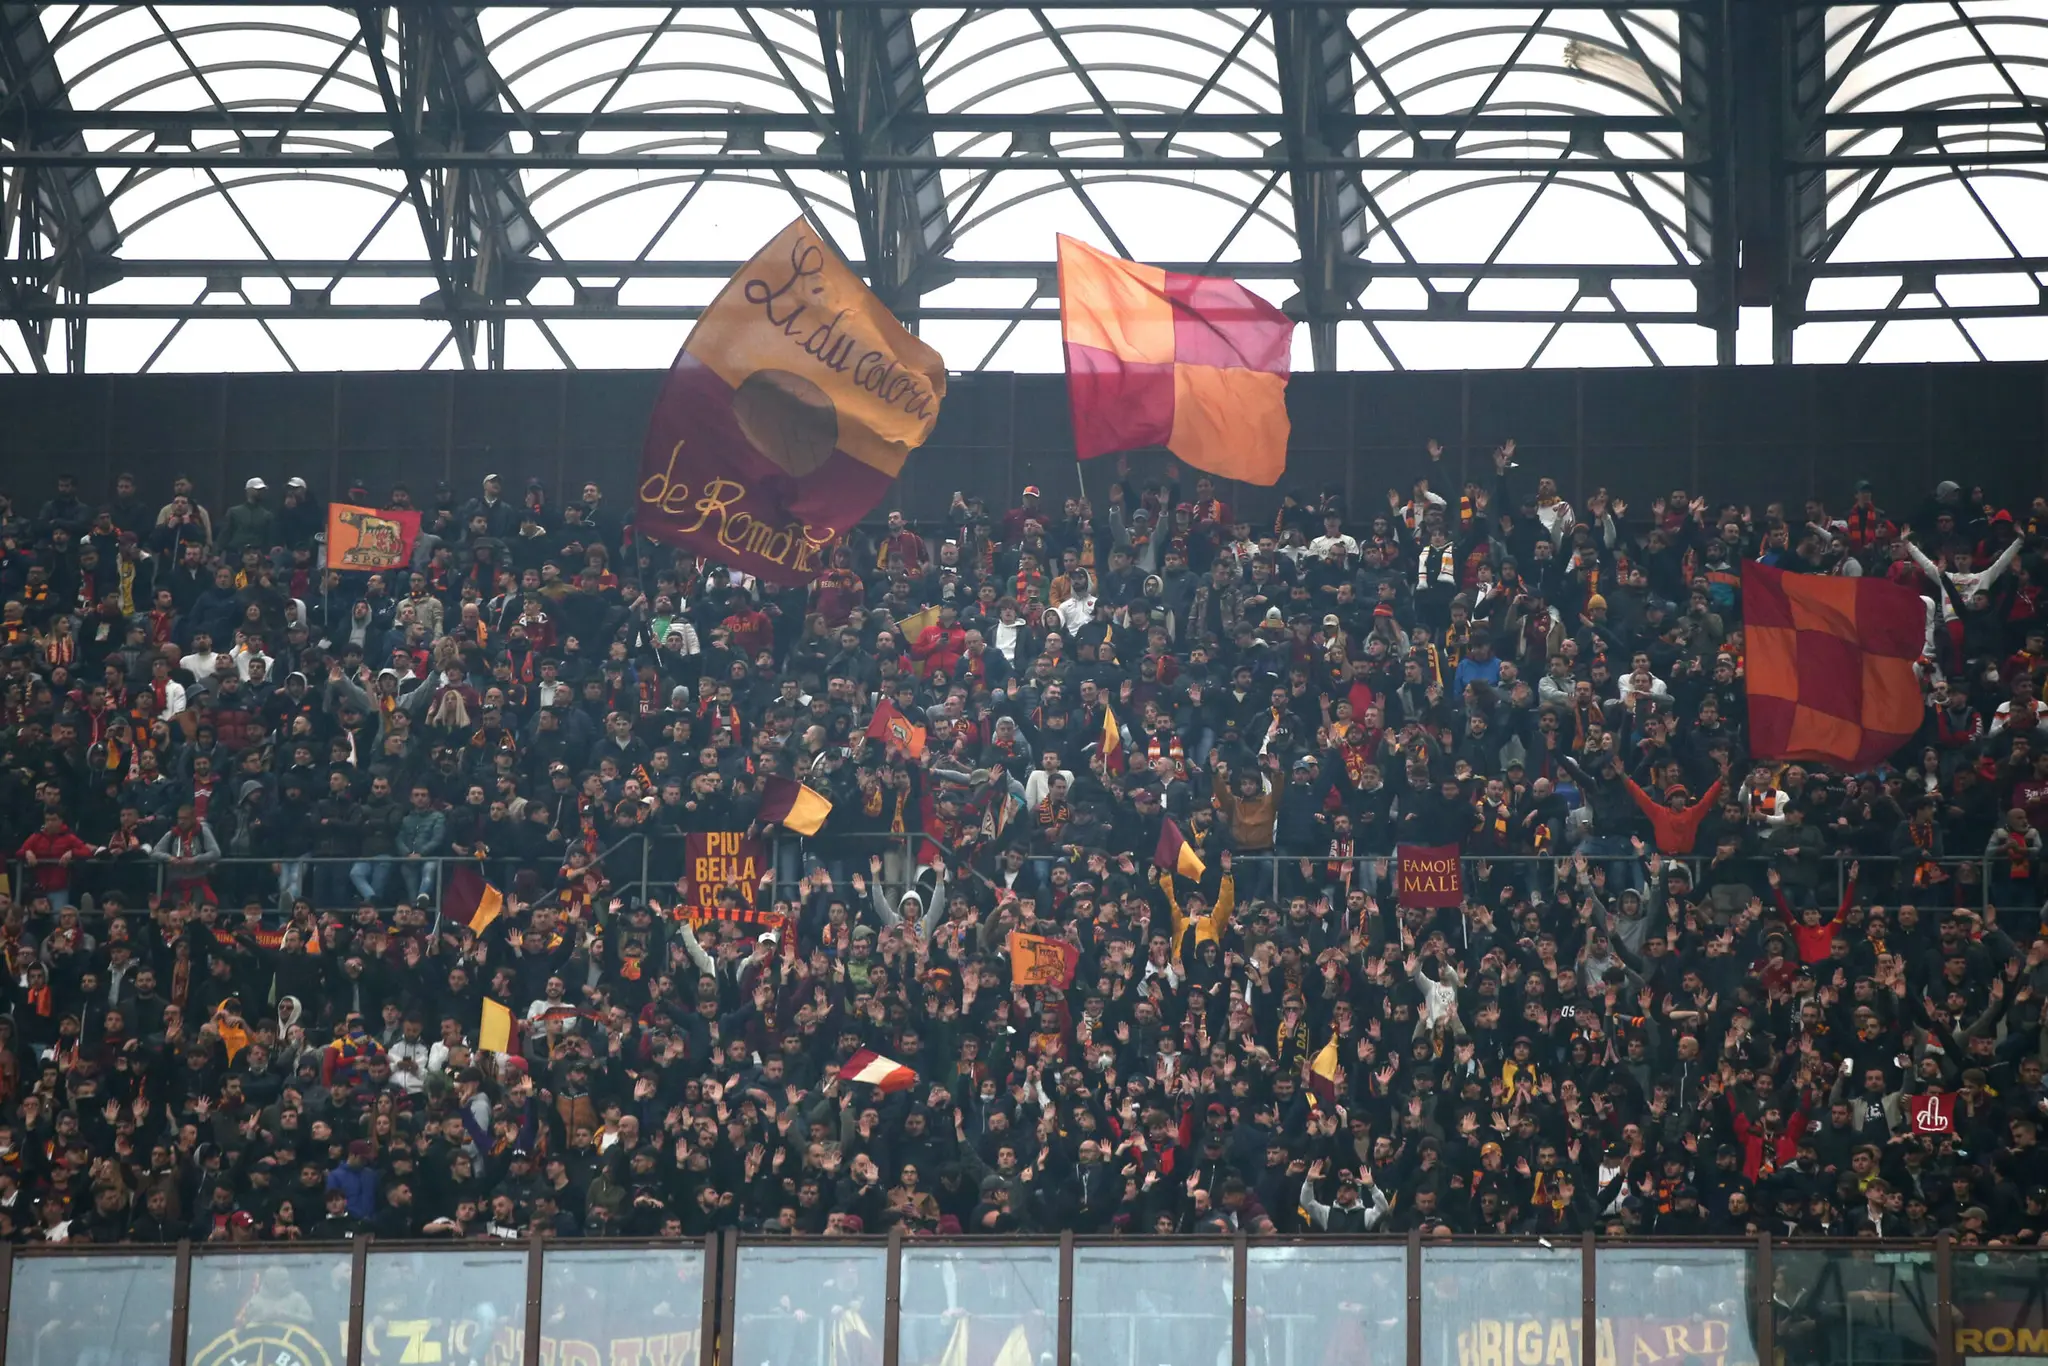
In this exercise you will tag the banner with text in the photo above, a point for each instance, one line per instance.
(1429, 875)
(787, 416)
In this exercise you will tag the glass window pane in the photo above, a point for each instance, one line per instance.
(1144, 1306)
(2001, 1301)
(1495, 1304)
(983, 1306)
(459, 1305)
(111, 1311)
(795, 1306)
(1309, 1305)
(270, 1306)
(1854, 1308)
(1669, 1303)
(596, 1304)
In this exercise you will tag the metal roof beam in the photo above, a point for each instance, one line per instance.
(67, 204)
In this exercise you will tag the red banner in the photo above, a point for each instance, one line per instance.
(1933, 1113)
(1429, 875)
(714, 860)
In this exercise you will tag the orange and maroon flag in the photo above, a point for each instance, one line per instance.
(1193, 363)
(1831, 666)
(892, 727)
(1173, 854)
(787, 416)
(1039, 961)
(370, 538)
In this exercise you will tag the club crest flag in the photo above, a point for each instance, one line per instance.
(1039, 961)
(787, 415)
(1189, 362)
(1830, 666)
(370, 538)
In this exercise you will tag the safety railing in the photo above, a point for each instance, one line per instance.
(1066, 1301)
(1979, 883)
(238, 881)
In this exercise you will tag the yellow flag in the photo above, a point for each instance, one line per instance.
(496, 1034)
(489, 907)
(913, 626)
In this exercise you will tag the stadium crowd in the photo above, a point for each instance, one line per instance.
(1685, 993)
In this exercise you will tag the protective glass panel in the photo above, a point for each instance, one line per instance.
(1144, 1306)
(460, 1305)
(979, 1306)
(603, 1305)
(820, 1305)
(1309, 1305)
(1674, 1304)
(1499, 1305)
(1854, 1308)
(110, 1311)
(2001, 1304)
(279, 1309)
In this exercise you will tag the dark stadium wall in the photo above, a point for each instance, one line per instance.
(1751, 433)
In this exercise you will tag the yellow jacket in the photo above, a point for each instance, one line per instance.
(1210, 926)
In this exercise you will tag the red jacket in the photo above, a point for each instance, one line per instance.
(1784, 1146)
(49, 874)
(1815, 942)
(1676, 830)
(939, 648)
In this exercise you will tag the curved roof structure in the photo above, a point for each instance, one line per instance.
(394, 186)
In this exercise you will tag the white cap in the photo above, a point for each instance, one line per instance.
(295, 482)
(255, 486)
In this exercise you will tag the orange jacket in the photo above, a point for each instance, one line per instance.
(1676, 830)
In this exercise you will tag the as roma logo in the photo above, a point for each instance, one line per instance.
(264, 1344)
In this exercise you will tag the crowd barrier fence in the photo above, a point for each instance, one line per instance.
(731, 1299)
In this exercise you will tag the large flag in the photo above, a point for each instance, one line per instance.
(884, 1074)
(786, 416)
(1193, 363)
(893, 727)
(370, 538)
(1175, 855)
(1039, 961)
(1830, 666)
(793, 806)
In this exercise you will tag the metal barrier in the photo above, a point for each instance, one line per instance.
(644, 863)
(1067, 1301)
(1281, 876)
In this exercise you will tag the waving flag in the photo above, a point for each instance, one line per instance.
(1175, 855)
(884, 1074)
(370, 538)
(1831, 666)
(1112, 743)
(787, 416)
(793, 806)
(1322, 1074)
(1037, 960)
(893, 727)
(1189, 362)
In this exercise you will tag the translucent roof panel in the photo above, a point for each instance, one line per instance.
(268, 186)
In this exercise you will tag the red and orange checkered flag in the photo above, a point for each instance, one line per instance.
(1830, 666)
(1189, 362)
